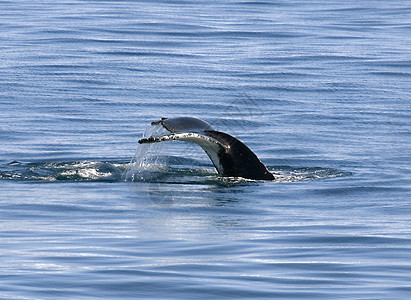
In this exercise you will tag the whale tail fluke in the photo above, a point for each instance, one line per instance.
(230, 156)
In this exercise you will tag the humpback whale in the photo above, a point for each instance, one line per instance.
(230, 156)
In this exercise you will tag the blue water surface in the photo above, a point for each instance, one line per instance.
(319, 90)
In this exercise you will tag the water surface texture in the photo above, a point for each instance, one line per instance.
(320, 91)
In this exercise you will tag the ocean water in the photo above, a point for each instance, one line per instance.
(319, 90)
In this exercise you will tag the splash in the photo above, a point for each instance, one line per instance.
(148, 160)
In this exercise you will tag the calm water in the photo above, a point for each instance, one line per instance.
(319, 90)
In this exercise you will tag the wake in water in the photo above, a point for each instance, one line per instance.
(156, 163)
(63, 171)
(146, 167)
